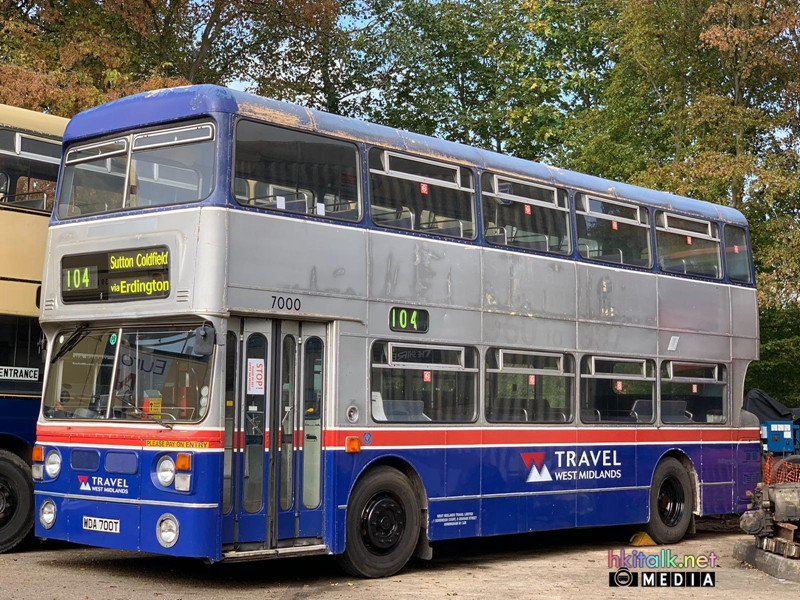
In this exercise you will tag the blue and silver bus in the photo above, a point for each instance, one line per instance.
(30, 152)
(276, 332)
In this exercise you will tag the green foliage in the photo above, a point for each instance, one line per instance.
(776, 372)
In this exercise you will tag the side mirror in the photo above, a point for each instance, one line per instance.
(204, 340)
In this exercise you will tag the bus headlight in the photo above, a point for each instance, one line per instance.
(52, 464)
(165, 471)
(47, 514)
(167, 530)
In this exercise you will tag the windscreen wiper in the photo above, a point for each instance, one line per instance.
(71, 342)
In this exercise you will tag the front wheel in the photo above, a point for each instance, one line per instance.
(671, 503)
(16, 500)
(383, 523)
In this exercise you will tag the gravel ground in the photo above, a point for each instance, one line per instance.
(571, 564)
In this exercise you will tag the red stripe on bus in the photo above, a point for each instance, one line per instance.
(119, 436)
(492, 437)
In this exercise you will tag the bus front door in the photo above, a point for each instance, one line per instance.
(273, 430)
(249, 350)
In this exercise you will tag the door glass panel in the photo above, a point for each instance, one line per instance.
(254, 420)
(287, 420)
(312, 414)
(230, 412)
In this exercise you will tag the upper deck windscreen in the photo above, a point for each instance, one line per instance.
(142, 170)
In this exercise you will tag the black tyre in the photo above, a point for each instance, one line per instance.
(383, 524)
(671, 502)
(16, 500)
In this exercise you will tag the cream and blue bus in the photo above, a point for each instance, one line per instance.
(30, 153)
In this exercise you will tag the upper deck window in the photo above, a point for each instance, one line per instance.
(154, 168)
(295, 172)
(421, 195)
(688, 246)
(525, 215)
(613, 232)
(737, 254)
(28, 170)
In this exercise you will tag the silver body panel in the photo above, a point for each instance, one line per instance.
(232, 262)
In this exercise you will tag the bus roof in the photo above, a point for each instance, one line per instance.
(180, 103)
(32, 121)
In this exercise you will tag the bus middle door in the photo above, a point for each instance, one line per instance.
(296, 433)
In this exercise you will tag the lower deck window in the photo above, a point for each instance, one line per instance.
(617, 390)
(528, 387)
(423, 383)
(693, 393)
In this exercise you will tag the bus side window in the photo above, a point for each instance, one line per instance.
(525, 215)
(612, 231)
(617, 390)
(737, 254)
(528, 387)
(688, 246)
(297, 172)
(423, 383)
(421, 195)
(693, 393)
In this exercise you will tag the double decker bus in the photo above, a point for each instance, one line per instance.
(30, 152)
(277, 332)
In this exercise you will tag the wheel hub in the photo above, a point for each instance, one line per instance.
(382, 523)
(6, 502)
(671, 502)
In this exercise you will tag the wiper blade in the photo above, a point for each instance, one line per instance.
(71, 342)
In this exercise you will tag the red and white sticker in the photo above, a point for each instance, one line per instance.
(426, 376)
(255, 376)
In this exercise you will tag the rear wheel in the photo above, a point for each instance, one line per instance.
(671, 503)
(383, 520)
(16, 500)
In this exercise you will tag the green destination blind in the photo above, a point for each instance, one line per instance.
(412, 320)
(137, 274)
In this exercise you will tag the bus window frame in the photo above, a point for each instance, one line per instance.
(643, 220)
(422, 367)
(327, 216)
(662, 226)
(647, 364)
(719, 377)
(384, 156)
(560, 371)
(129, 151)
(559, 195)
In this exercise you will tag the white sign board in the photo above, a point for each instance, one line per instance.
(255, 376)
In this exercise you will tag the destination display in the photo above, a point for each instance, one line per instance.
(408, 320)
(137, 274)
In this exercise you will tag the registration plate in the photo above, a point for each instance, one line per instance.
(98, 524)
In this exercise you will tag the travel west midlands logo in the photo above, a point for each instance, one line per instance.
(665, 559)
(572, 465)
(537, 469)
